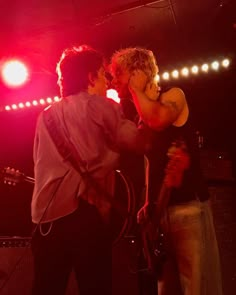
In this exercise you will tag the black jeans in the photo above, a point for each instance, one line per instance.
(80, 241)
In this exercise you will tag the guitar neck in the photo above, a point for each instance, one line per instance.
(12, 176)
(29, 179)
(162, 202)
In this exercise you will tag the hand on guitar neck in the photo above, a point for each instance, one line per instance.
(179, 161)
(150, 214)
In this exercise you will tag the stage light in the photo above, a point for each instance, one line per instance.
(21, 105)
(185, 72)
(56, 98)
(49, 100)
(14, 73)
(225, 63)
(194, 69)
(113, 94)
(175, 74)
(35, 103)
(166, 76)
(215, 65)
(157, 78)
(205, 68)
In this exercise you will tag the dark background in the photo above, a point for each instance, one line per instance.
(180, 32)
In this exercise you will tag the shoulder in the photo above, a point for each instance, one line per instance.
(103, 109)
(175, 94)
(174, 98)
(104, 103)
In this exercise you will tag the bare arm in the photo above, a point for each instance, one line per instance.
(159, 111)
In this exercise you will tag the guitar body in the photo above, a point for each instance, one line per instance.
(152, 237)
(124, 195)
(153, 247)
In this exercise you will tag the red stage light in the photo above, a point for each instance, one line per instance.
(113, 94)
(14, 73)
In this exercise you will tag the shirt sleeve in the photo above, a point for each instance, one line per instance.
(121, 132)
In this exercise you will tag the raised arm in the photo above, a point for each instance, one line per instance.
(156, 110)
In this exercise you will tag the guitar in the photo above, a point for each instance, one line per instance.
(152, 236)
(123, 199)
(11, 176)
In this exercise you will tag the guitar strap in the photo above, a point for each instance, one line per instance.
(69, 153)
(62, 142)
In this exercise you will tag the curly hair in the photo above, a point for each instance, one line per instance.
(134, 58)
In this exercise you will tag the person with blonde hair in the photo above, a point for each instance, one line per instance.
(191, 265)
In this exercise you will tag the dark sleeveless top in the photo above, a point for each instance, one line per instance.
(193, 185)
(132, 164)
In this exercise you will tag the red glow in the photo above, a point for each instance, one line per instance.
(14, 73)
(113, 94)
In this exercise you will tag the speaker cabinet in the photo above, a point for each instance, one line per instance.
(16, 268)
(16, 271)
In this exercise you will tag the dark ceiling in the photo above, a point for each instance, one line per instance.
(178, 31)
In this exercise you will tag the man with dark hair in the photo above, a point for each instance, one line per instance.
(184, 215)
(70, 212)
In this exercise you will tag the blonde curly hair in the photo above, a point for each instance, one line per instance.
(134, 58)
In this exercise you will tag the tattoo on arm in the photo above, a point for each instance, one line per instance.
(171, 104)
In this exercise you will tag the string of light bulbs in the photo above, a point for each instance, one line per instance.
(195, 69)
(111, 93)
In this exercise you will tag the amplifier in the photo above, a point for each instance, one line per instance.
(16, 267)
